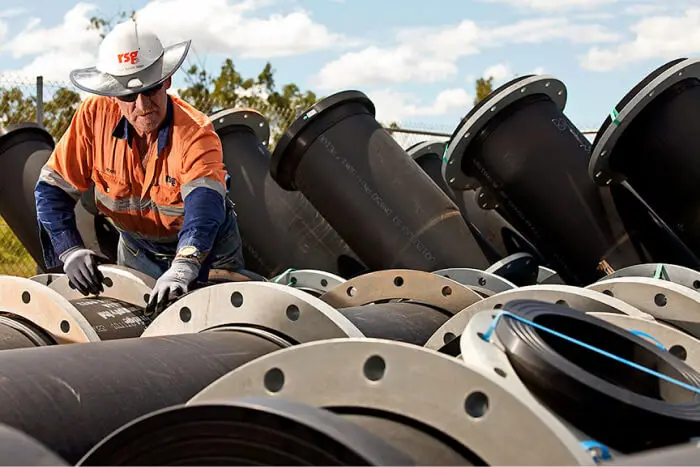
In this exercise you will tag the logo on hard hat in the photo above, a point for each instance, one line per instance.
(128, 57)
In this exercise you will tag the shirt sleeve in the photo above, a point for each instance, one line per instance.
(203, 190)
(62, 179)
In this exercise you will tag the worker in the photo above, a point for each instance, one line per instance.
(157, 168)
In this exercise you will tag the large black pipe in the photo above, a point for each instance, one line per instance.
(496, 236)
(528, 157)
(69, 397)
(651, 140)
(359, 178)
(24, 149)
(412, 323)
(17, 448)
(279, 229)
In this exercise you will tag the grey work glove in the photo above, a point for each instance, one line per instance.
(172, 284)
(80, 265)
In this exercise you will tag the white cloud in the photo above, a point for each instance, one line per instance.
(554, 5)
(55, 50)
(500, 73)
(221, 26)
(659, 37)
(376, 65)
(426, 55)
(394, 106)
(215, 26)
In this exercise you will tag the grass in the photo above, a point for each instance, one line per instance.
(14, 259)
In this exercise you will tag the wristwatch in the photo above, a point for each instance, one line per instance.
(189, 252)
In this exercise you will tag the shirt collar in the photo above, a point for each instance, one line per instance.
(124, 130)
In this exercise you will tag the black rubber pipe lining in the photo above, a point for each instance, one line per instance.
(249, 431)
(614, 403)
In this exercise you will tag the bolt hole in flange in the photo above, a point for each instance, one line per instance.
(398, 281)
(660, 300)
(374, 368)
(476, 404)
(678, 351)
(236, 299)
(293, 312)
(274, 380)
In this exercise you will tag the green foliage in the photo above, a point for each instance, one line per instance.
(484, 87)
(14, 259)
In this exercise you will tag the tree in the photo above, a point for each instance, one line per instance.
(15, 107)
(484, 87)
(58, 112)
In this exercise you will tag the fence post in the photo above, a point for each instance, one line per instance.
(40, 100)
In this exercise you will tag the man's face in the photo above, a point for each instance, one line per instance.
(147, 112)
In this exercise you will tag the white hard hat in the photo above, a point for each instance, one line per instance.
(130, 60)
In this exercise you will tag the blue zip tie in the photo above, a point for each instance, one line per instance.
(604, 451)
(489, 332)
(649, 336)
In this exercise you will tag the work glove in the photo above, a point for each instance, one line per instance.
(80, 265)
(172, 284)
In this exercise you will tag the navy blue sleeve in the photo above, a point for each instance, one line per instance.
(204, 213)
(55, 212)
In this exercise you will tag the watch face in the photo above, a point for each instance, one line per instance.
(188, 251)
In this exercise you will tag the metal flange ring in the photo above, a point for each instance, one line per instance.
(547, 275)
(480, 281)
(489, 358)
(664, 300)
(520, 268)
(670, 272)
(46, 279)
(599, 164)
(46, 308)
(124, 284)
(426, 148)
(243, 116)
(381, 377)
(496, 102)
(680, 344)
(574, 297)
(309, 280)
(296, 315)
(395, 284)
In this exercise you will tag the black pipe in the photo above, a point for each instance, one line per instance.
(19, 333)
(71, 396)
(654, 239)
(656, 149)
(112, 318)
(24, 149)
(247, 431)
(412, 323)
(359, 178)
(533, 161)
(279, 229)
(496, 237)
(17, 448)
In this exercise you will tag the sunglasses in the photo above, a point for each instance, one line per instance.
(132, 97)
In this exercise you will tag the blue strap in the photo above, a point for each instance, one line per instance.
(592, 446)
(279, 277)
(648, 336)
(489, 332)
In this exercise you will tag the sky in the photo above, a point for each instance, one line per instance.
(416, 60)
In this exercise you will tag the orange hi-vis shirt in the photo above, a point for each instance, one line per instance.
(147, 204)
